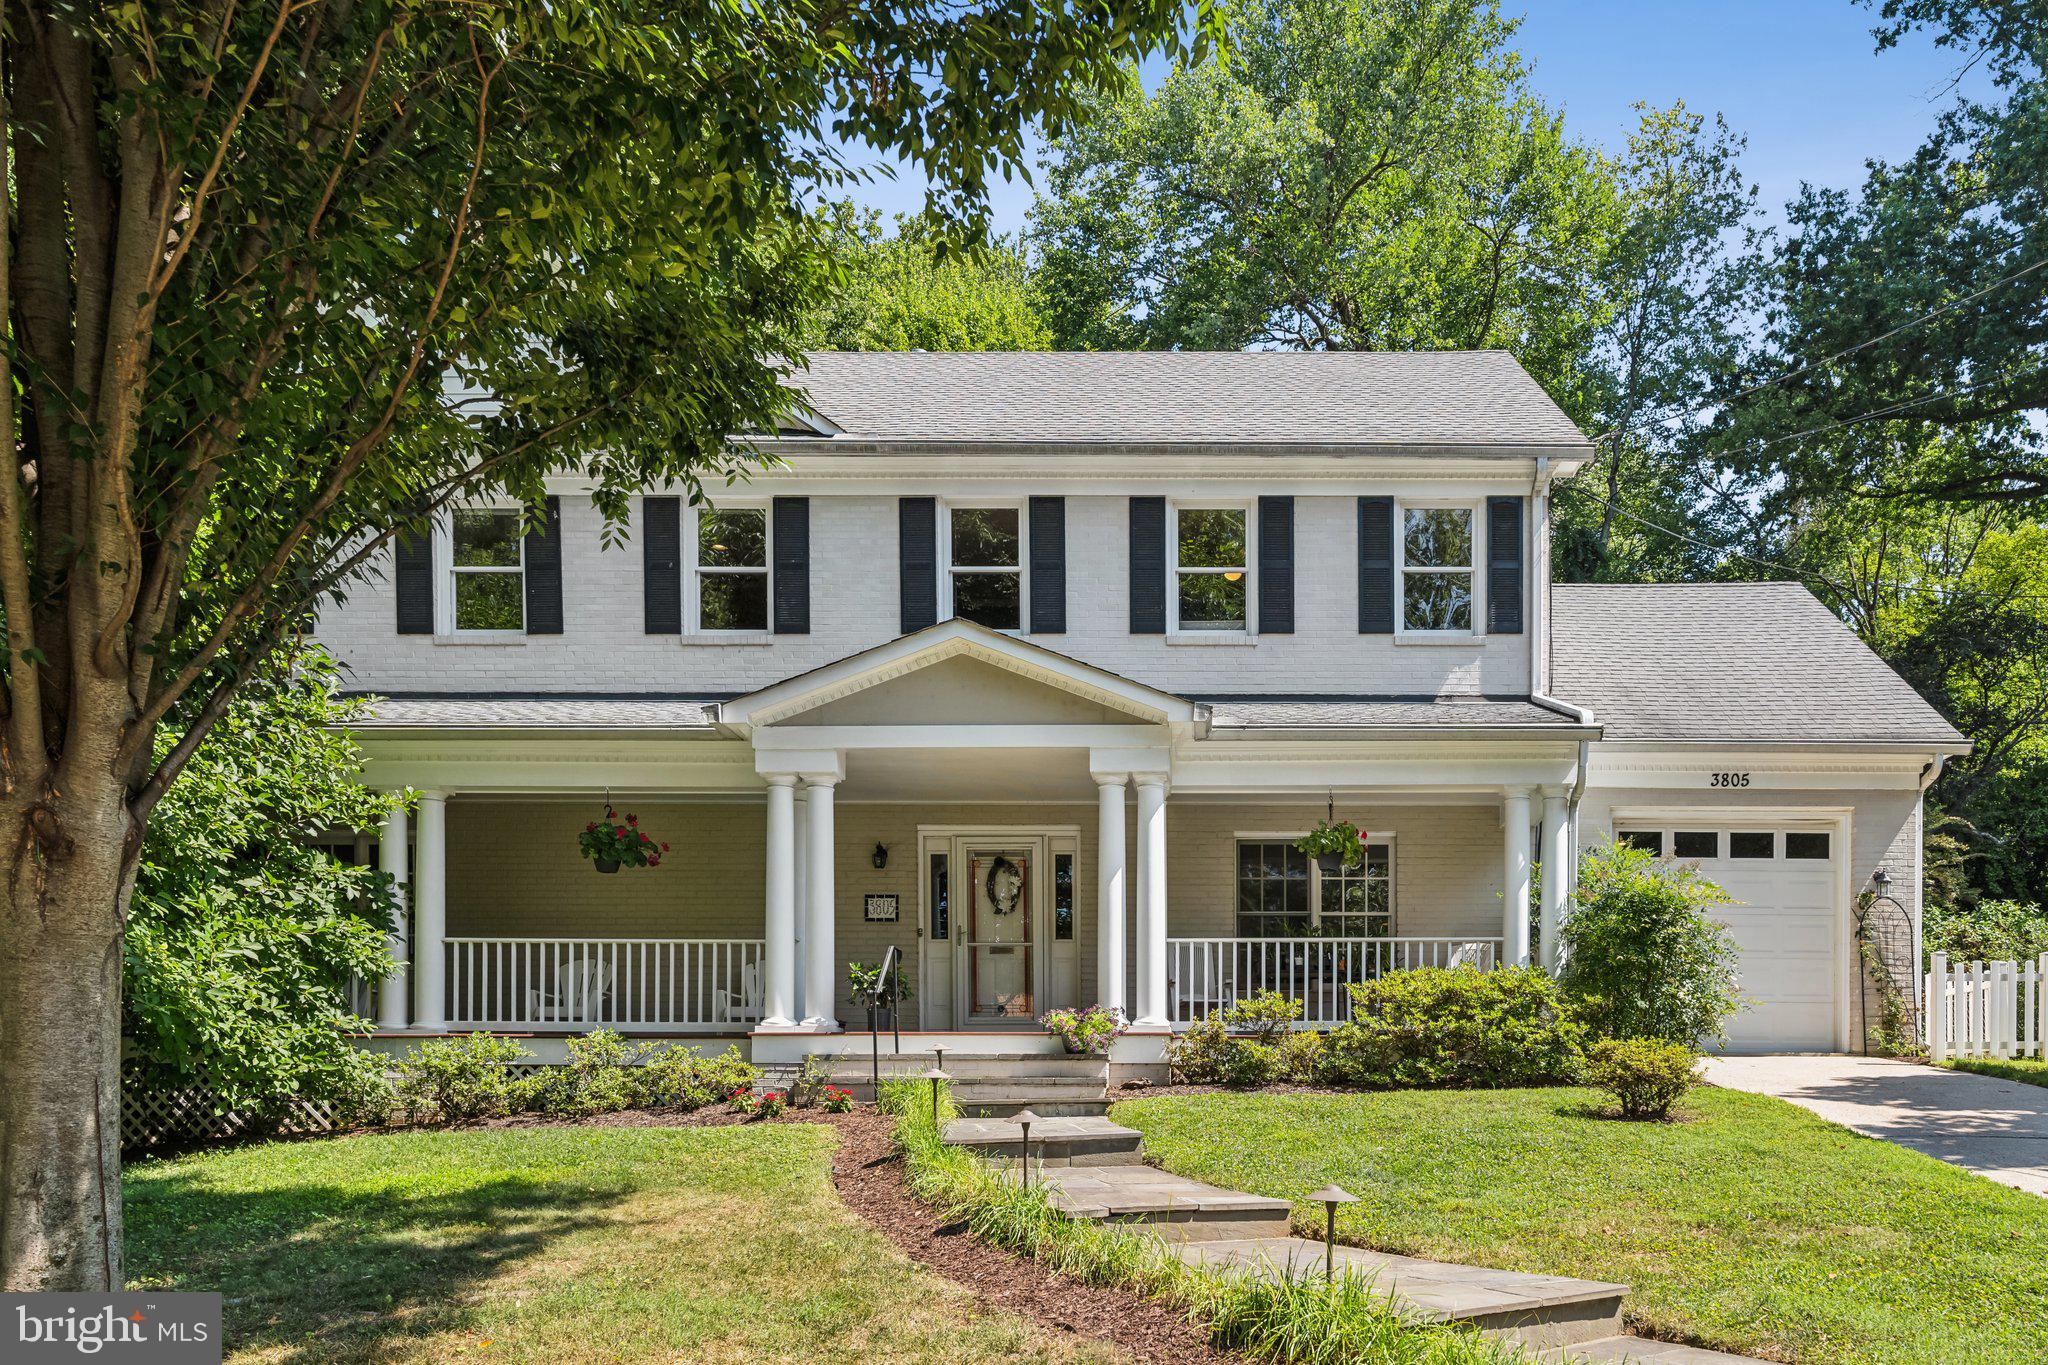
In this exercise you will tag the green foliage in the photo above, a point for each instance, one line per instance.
(1646, 1076)
(1458, 1027)
(1265, 1015)
(1340, 839)
(1246, 1063)
(1642, 957)
(458, 1080)
(1088, 1031)
(1300, 1056)
(242, 934)
(909, 290)
(1991, 931)
(626, 844)
(864, 979)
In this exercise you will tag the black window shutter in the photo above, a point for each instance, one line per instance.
(1276, 566)
(1048, 566)
(1148, 566)
(661, 560)
(1376, 566)
(544, 573)
(1504, 556)
(792, 570)
(917, 523)
(414, 579)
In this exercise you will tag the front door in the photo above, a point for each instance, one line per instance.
(1000, 892)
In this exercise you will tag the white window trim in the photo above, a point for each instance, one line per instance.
(1475, 506)
(1174, 631)
(446, 572)
(1315, 875)
(694, 572)
(1022, 507)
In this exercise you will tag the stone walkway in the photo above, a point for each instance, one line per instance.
(1999, 1129)
(1094, 1169)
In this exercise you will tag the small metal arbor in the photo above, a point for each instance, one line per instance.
(1884, 933)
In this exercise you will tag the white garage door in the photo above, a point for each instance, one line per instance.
(1784, 921)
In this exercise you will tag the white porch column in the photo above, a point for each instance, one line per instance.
(393, 863)
(818, 936)
(778, 989)
(1556, 854)
(430, 914)
(1514, 924)
(1151, 902)
(801, 837)
(1109, 891)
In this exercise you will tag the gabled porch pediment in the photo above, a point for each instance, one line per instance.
(953, 674)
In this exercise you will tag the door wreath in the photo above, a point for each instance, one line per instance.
(1004, 885)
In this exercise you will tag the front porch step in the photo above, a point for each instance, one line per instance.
(1539, 1311)
(1055, 1142)
(968, 1067)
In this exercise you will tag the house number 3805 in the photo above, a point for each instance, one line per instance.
(1727, 779)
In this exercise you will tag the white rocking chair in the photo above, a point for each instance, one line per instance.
(743, 1007)
(580, 992)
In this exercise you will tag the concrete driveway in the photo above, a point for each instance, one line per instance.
(1999, 1129)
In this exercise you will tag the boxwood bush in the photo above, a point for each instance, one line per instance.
(1456, 1027)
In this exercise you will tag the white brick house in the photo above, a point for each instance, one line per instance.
(1034, 666)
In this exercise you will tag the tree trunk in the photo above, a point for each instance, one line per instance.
(63, 871)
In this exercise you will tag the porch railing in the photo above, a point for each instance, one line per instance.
(579, 983)
(1206, 975)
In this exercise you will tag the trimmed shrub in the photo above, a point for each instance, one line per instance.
(1196, 1056)
(1300, 1056)
(1264, 1016)
(1247, 1064)
(458, 1080)
(678, 1078)
(1646, 1076)
(1455, 1027)
(1642, 959)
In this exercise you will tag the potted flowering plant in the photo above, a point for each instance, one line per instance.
(1334, 844)
(1086, 1032)
(612, 845)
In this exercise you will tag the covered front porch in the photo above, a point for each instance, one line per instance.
(1028, 833)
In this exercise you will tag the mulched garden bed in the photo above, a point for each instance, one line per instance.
(869, 1175)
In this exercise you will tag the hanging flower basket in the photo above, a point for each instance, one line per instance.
(1334, 844)
(612, 845)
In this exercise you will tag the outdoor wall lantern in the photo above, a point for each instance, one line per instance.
(881, 856)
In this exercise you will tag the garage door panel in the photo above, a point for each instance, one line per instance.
(1784, 926)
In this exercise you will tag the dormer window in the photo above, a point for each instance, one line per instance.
(1210, 569)
(985, 565)
(1436, 570)
(732, 570)
(488, 564)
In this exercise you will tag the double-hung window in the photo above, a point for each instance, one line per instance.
(1437, 574)
(1210, 569)
(732, 570)
(487, 561)
(1281, 893)
(985, 565)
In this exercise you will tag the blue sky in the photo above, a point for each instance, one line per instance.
(1799, 78)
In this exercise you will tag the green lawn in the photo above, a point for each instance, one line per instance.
(555, 1244)
(1752, 1227)
(2027, 1070)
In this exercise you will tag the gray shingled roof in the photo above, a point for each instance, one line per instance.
(1727, 662)
(1363, 398)
(464, 712)
(1360, 713)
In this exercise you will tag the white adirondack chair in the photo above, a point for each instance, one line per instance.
(744, 1006)
(1197, 989)
(579, 992)
(1469, 955)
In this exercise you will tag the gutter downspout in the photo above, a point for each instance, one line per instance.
(1539, 595)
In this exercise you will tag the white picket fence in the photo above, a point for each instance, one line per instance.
(1986, 1009)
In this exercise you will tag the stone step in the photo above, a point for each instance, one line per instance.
(1045, 1106)
(964, 1068)
(1643, 1351)
(1538, 1311)
(1055, 1142)
(1180, 1209)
